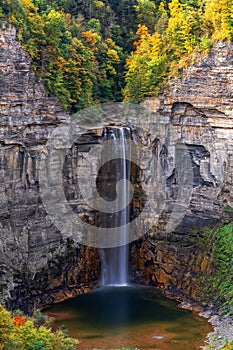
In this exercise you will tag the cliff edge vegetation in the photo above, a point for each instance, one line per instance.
(183, 32)
(93, 51)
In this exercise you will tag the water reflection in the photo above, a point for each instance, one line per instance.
(111, 318)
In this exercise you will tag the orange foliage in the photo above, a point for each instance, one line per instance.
(19, 320)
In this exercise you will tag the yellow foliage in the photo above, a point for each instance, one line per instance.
(18, 332)
(219, 15)
(142, 31)
(6, 326)
(91, 38)
(181, 28)
(29, 6)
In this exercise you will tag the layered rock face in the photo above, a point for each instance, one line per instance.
(38, 265)
(196, 110)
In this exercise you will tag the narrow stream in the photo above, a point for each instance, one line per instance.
(129, 317)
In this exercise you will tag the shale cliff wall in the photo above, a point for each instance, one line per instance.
(38, 265)
(197, 110)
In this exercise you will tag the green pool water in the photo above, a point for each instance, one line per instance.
(136, 317)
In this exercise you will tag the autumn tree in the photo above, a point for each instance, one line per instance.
(146, 11)
(146, 66)
(218, 19)
(92, 51)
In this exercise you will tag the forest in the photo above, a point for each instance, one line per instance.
(91, 51)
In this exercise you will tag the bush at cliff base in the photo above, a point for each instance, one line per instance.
(19, 332)
(228, 346)
(218, 243)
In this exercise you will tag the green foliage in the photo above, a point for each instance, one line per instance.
(218, 343)
(92, 51)
(146, 11)
(6, 327)
(18, 332)
(228, 346)
(76, 56)
(183, 29)
(146, 67)
(40, 319)
(219, 286)
(228, 208)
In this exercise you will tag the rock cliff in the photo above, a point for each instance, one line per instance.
(37, 264)
(196, 109)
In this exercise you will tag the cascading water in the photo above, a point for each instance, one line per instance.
(114, 261)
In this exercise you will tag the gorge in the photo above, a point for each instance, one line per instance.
(38, 265)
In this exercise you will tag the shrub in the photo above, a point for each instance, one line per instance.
(18, 332)
(219, 286)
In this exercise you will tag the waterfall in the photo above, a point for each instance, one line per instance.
(114, 261)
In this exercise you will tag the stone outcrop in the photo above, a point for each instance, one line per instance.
(37, 264)
(196, 110)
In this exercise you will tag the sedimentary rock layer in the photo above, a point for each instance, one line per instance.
(195, 110)
(38, 265)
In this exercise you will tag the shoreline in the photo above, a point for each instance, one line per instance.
(222, 324)
(215, 340)
(223, 331)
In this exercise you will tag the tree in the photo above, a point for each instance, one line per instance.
(162, 19)
(146, 66)
(181, 30)
(146, 13)
(218, 17)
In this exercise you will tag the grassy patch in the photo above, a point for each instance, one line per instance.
(218, 287)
